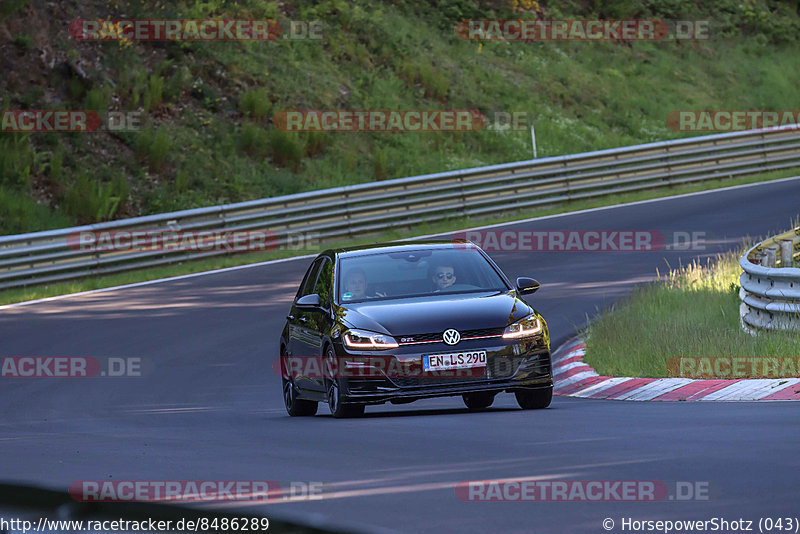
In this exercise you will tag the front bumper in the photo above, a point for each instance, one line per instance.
(509, 367)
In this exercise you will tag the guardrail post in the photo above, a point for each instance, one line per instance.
(347, 215)
(464, 195)
(787, 248)
(716, 153)
(667, 159)
(771, 256)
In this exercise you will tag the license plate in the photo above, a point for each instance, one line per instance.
(454, 360)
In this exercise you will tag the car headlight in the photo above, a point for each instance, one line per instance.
(363, 340)
(529, 326)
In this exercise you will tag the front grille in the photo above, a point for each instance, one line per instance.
(482, 332)
(436, 337)
(434, 380)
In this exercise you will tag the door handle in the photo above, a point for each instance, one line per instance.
(290, 317)
(303, 319)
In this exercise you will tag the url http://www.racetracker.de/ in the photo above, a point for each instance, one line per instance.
(45, 525)
(712, 524)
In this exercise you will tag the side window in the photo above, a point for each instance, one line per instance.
(323, 285)
(306, 288)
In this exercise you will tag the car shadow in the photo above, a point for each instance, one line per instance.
(430, 411)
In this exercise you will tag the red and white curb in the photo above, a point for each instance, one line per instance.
(574, 378)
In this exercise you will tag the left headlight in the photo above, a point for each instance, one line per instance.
(364, 340)
(529, 326)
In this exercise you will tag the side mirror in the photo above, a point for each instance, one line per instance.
(526, 286)
(309, 301)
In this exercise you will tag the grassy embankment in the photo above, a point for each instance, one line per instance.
(691, 311)
(208, 136)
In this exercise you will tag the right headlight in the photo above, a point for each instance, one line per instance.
(527, 327)
(364, 340)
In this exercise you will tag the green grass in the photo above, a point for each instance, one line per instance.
(199, 97)
(692, 311)
(95, 282)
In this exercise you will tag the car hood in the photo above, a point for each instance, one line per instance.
(436, 313)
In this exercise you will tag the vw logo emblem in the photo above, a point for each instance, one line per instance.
(451, 336)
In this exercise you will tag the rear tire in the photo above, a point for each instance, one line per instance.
(478, 401)
(534, 399)
(294, 406)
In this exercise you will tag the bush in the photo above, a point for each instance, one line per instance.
(380, 163)
(315, 142)
(181, 182)
(23, 41)
(178, 83)
(56, 165)
(132, 83)
(154, 145)
(254, 140)
(121, 190)
(255, 103)
(153, 93)
(90, 201)
(22, 214)
(287, 149)
(96, 99)
(436, 85)
(16, 160)
(9, 7)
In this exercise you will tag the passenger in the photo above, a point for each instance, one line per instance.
(444, 276)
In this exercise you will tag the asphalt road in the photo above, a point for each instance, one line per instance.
(208, 404)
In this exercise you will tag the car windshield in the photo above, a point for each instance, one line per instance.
(414, 273)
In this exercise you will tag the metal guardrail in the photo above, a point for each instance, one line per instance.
(770, 284)
(44, 257)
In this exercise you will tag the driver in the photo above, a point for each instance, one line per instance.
(355, 283)
(444, 276)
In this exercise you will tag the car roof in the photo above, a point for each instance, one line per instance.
(438, 244)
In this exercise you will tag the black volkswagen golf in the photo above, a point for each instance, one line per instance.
(402, 322)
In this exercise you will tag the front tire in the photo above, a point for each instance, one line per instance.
(534, 399)
(294, 406)
(478, 401)
(335, 400)
(337, 408)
